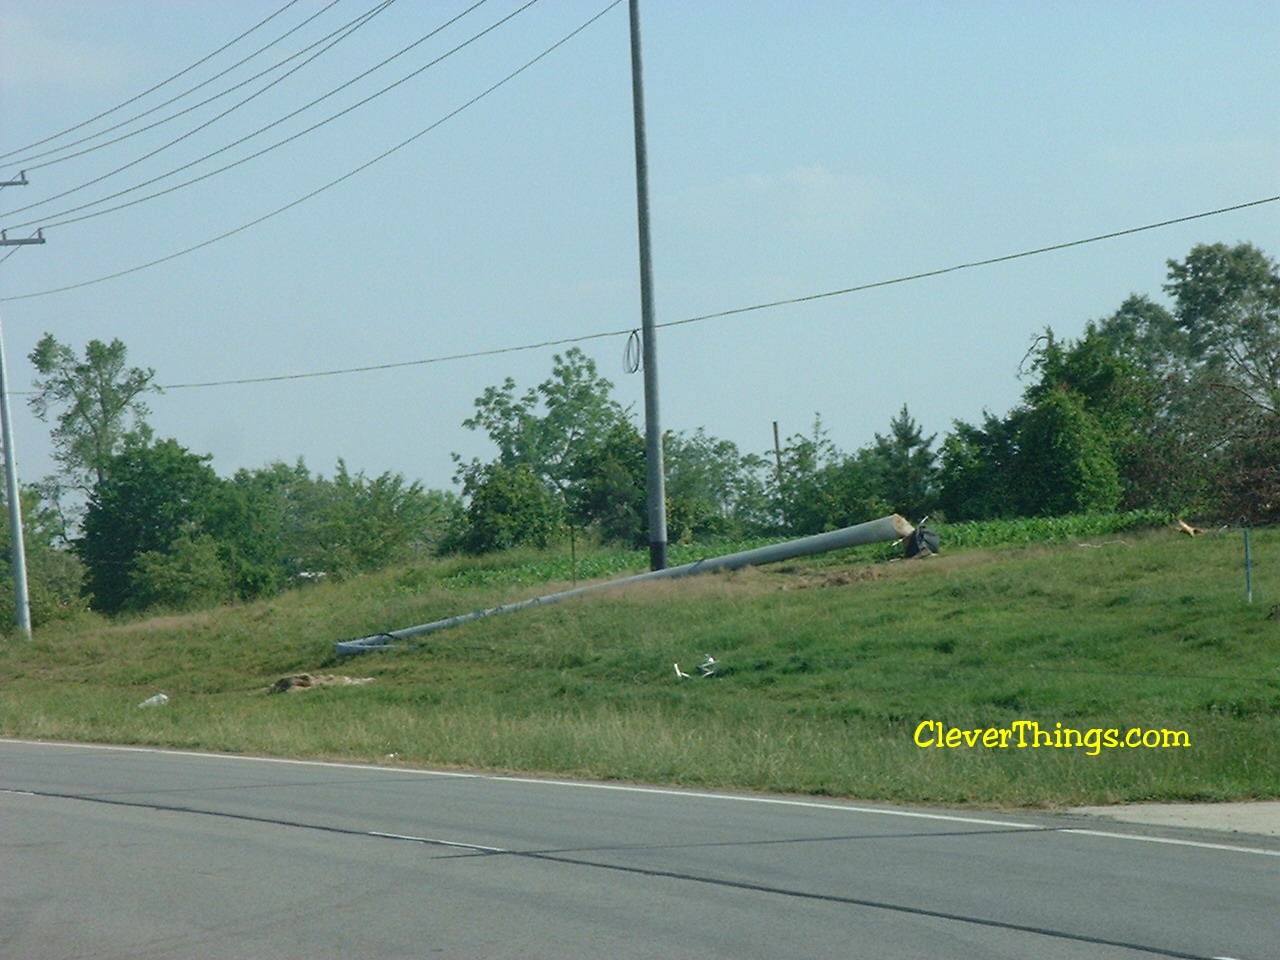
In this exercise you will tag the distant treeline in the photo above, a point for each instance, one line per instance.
(1170, 409)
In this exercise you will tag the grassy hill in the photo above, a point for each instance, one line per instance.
(831, 667)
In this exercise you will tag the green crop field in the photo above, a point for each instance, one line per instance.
(840, 674)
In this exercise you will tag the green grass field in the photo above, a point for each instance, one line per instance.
(830, 667)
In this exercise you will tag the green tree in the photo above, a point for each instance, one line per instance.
(381, 521)
(1247, 487)
(609, 491)
(903, 466)
(550, 432)
(1181, 404)
(277, 522)
(796, 487)
(150, 495)
(100, 404)
(1147, 334)
(1064, 463)
(819, 489)
(1228, 304)
(509, 507)
(1101, 369)
(713, 489)
(54, 574)
(975, 469)
(247, 522)
(187, 575)
(1116, 373)
(548, 427)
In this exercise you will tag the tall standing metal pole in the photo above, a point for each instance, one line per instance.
(655, 476)
(18, 547)
(22, 602)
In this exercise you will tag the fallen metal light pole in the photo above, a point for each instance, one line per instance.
(889, 528)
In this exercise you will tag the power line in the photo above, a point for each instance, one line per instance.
(345, 32)
(332, 183)
(186, 166)
(976, 263)
(497, 351)
(149, 90)
(289, 139)
(27, 162)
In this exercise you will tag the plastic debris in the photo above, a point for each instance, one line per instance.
(708, 668)
(159, 700)
(923, 543)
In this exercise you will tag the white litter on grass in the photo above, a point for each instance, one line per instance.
(159, 700)
(708, 668)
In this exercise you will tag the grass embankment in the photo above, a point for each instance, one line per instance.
(831, 666)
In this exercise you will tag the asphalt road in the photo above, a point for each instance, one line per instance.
(111, 852)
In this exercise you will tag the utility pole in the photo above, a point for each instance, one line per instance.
(22, 601)
(655, 475)
(782, 492)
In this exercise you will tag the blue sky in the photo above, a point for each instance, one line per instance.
(794, 148)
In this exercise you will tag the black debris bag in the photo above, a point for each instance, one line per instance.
(922, 543)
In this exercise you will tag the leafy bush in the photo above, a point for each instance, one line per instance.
(187, 576)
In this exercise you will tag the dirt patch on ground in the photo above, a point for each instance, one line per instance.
(772, 578)
(309, 681)
(799, 577)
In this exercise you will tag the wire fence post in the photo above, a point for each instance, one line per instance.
(1248, 565)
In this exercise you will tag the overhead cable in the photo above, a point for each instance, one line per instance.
(150, 90)
(27, 163)
(65, 219)
(975, 263)
(62, 217)
(332, 183)
(564, 341)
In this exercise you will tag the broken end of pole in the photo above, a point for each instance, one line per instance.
(902, 526)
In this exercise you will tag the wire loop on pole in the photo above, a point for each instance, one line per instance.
(632, 355)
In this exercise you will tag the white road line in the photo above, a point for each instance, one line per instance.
(1084, 832)
(666, 791)
(437, 843)
(203, 755)
(782, 801)
(619, 787)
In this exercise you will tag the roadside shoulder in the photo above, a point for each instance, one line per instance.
(1261, 818)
